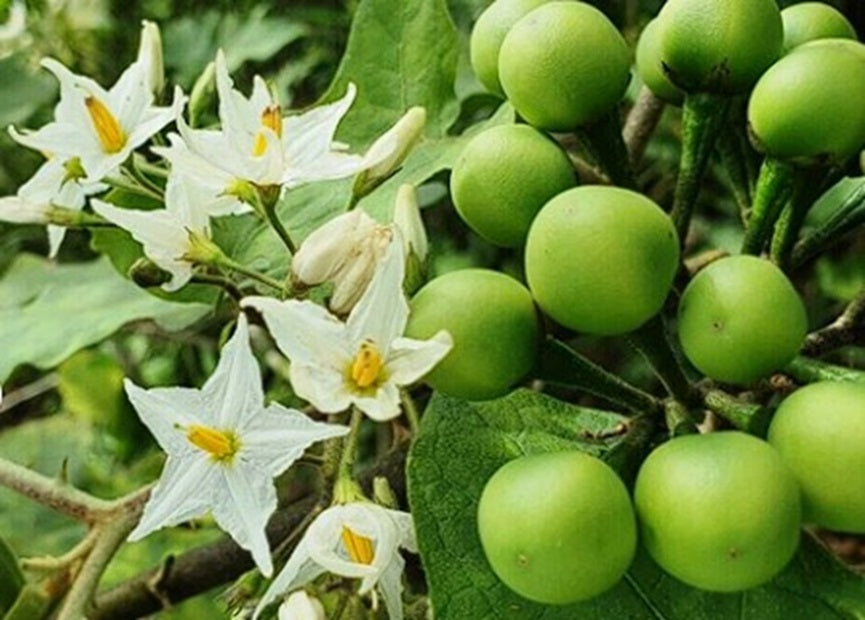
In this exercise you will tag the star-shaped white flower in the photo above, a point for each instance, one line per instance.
(53, 185)
(170, 236)
(359, 540)
(362, 361)
(224, 448)
(100, 127)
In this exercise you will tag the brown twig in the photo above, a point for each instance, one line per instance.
(848, 329)
(641, 123)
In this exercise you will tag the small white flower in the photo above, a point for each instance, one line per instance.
(170, 236)
(407, 218)
(359, 540)
(301, 606)
(51, 186)
(150, 56)
(345, 251)
(362, 361)
(224, 449)
(100, 127)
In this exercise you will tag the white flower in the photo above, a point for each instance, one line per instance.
(150, 56)
(224, 448)
(53, 185)
(101, 128)
(172, 237)
(406, 217)
(359, 540)
(362, 361)
(301, 606)
(16, 24)
(345, 251)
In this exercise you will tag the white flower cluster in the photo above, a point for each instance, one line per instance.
(224, 444)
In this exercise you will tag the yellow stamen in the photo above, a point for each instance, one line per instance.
(360, 548)
(107, 127)
(367, 366)
(271, 118)
(221, 445)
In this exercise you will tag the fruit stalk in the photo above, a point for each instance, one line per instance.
(806, 189)
(848, 329)
(703, 116)
(749, 417)
(807, 370)
(603, 141)
(641, 123)
(774, 187)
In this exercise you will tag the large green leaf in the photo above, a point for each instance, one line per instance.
(399, 54)
(11, 578)
(50, 311)
(462, 444)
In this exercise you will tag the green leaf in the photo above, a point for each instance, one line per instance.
(50, 311)
(27, 89)
(461, 444)
(399, 54)
(11, 578)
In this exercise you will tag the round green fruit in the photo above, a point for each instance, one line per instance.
(557, 528)
(720, 512)
(796, 113)
(819, 431)
(601, 260)
(723, 47)
(564, 65)
(487, 35)
(503, 178)
(651, 69)
(741, 319)
(808, 21)
(494, 326)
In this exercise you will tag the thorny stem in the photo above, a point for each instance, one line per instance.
(807, 370)
(641, 123)
(703, 117)
(848, 329)
(806, 189)
(774, 187)
(749, 417)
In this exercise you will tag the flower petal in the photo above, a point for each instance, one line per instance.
(297, 572)
(243, 507)
(182, 493)
(382, 312)
(233, 392)
(324, 252)
(383, 405)
(276, 437)
(304, 331)
(323, 386)
(409, 360)
(166, 411)
(390, 586)
(307, 137)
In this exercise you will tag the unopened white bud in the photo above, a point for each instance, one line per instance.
(325, 252)
(22, 211)
(301, 606)
(150, 56)
(390, 150)
(351, 281)
(407, 219)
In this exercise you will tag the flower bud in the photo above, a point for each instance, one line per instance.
(202, 250)
(150, 56)
(390, 150)
(202, 94)
(146, 274)
(301, 606)
(407, 219)
(21, 211)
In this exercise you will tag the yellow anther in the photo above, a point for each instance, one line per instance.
(367, 366)
(360, 548)
(271, 118)
(221, 445)
(107, 127)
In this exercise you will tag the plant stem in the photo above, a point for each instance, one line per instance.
(653, 343)
(603, 140)
(807, 370)
(229, 263)
(561, 365)
(221, 281)
(276, 223)
(345, 488)
(641, 123)
(126, 185)
(749, 417)
(731, 158)
(703, 117)
(848, 329)
(411, 412)
(774, 187)
(806, 189)
(679, 420)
